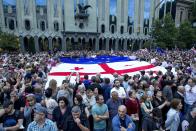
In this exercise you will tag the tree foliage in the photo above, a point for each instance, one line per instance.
(9, 42)
(165, 33)
(186, 35)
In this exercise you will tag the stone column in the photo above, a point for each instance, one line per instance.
(141, 44)
(165, 8)
(21, 40)
(107, 15)
(50, 14)
(125, 44)
(141, 16)
(50, 43)
(2, 19)
(107, 44)
(36, 44)
(136, 16)
(64, 46)
(118, 17)
(132, 44)
(32, 5)
(97, 44)
(20, 13)
(116, 44)
(152, 7)
(103, 44)
(126, 3)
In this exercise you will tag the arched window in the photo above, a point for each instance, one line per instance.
(56, 26)
(112, 29)
(181, 13)
(102, 28)
(121, 29)
(42, 26)
(27, 25)
(11, 24)
(130, 30)
(145, 31)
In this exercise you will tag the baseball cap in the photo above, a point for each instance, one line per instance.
(40, 109)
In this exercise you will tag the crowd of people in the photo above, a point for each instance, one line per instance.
(147, 101)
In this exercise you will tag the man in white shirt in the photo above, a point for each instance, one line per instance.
(118, 89)
(190, 94)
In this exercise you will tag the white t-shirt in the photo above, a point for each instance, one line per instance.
(190, 96)
(120, 91)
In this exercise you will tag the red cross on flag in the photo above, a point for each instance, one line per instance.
(106, 69)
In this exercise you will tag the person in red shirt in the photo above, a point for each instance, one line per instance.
(132, 105)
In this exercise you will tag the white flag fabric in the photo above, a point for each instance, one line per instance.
(61, 71)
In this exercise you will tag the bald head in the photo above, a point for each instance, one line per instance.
(122, 110)
(181, 89)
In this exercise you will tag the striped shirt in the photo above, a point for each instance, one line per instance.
(48, 126)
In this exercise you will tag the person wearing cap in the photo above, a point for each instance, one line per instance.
(41, 123)
(76, 121)
(11, 119)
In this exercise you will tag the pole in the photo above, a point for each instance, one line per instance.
(171, 7)
(165, 8)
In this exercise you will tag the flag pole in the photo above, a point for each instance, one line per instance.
(165, 8)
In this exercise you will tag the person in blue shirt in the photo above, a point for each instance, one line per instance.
(122, 122)
(100, 114)
(41, 123)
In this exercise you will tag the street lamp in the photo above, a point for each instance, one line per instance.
(194, 24)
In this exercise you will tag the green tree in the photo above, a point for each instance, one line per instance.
(9, 42)
(165, 32)
(186, 36)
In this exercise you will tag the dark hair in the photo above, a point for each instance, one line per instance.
(142, 72)
(65, 81)
(86, 76)
(28, 76)
(29, 89)
(62, 98)
(48, 92)
(116, 80)
(150, 72)
(107, 80)
(130, 93)
(79, 98)
(175, 102)
(97, 97)
(93, 79)
(126, 77)
(156, 91)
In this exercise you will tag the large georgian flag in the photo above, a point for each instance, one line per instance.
(105, 66)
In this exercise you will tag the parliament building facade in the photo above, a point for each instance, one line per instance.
(79, 24)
